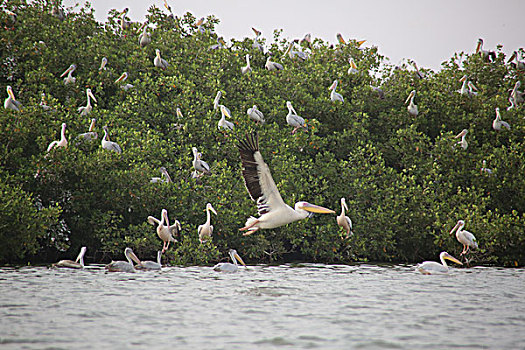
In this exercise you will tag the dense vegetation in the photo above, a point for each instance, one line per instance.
(405, 182)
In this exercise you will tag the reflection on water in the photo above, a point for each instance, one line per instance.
(300, 306)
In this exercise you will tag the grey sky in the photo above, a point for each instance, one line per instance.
(427, 31)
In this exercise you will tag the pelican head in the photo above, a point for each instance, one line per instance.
(257, 33)
(70, 69)
(200, 22)
(210, 208)
(10, 92)
(463, 78)
(289, 104)
(128, 252)
(224, 111)
(123, 77)
(124, 12)
(234, 256)
(312, 208)
(461, 134)
(480, 45)
(458, 226)
(343, 203)
(410, 96)
(90, 94)
(157, 52)
(445, 255)
(340, 39)
(333, 86)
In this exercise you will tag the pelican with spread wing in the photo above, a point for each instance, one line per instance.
(262, 189)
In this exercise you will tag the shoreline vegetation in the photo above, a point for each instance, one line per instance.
(406, 178)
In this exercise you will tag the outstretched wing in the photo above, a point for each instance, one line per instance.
(153, 221)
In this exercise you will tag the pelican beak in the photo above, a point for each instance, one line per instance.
(135, 258)
(352, 64)
(361, 42)
(451, 258)
(346, 206)
(213, 210)
(340, 39)
(312, 208)
(67, 71)
(238, 257)
(199, 22)
(225, 112)
(512, 57)
(11, 94)
(457, 136)
(455, 227)
(92, 96)
(409, 97)
(256, 31)
(121, 78)
(179, 113)
(463, 78)
(479, 46)
(473, 86)
(221, 40)
(332, 86)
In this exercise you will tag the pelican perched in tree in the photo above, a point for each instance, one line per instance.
(256, 114)
(160, 62)
(110, 145)
(342, 41)
(517, 95)
(77, 264)
(418, 73)
(123, 78)
(472, 89)
(221, 44)
(216, 101)
(228, 267)
(497, 123)
(487, 55)
(467, 88)
(353, 67)
(200, 26)
(103, 64)
(380, 93)
(62, 142)
(432, 267)
(293, 119)
(464, 237)
(520, 65)
(164, 230)
(512, 104)
(343, 220)
(246, 69)
(198, 164)
(295, 54)
(307, 40)
(123, 266)
(256, 44)
(179, 113)
(262, 189)
(223, 123)
(164, 176)
(412, 107)
(334, 96)
(206, 230)
(85, 110)
(484, 168)
(270, 65)
(463, 142)
(151, 265)
(70, 79)
(11, 102)
(124, 24)
(145, 37)
(91, 134)
(43, 103)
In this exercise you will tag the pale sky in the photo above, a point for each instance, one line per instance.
(427, 31)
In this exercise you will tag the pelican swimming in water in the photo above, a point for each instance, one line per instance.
(497, 123)
(109, 145)
(103, 64)
(198, 164)
(160, 62)
(85, 110)
(412, 107)
(90, 135)
(145, 37)
(62, 142)
(77, 264)
(246, 69)
(487, 55)
(151, 265)
(262, 189)
(70, 79)
(205, 231)
(164, 176)
(229, 267)
(343, 220)
(255, 114)
(334, 96)
(463, 142)
(270, 65)
(293, 119)
(353, 67)
(123, 266)
(223, 123)
(164, 230)
(432, 267)
(11, 102)
(464, 237)
(123, 78)
(520, 65)
(256, 44)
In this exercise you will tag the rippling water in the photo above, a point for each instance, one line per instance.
(297, 307)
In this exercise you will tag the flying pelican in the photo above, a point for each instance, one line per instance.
(295, 54)
(262, 189)
(223, 123)
(256, 114)
(164, 176)
(77, 264)
(124, 24)
(123, 78)
(343, 220)
(487, 55)
(103, 63)
(123, 266)
(353, 67)
(11, 102)
(497, 123)
(463, 143)
(256, 44)
(228, 267)
(412, 107)
(85, 110)
(270, 65)
(151, 265)
(206, 230)
(464, 237)
(520, 65)
(160, 62)
(109, 145)
(293, 119)
(70, 79)
(90, 135)
(247, 68)
(198, 164)
(164, 230)
(432, 267)
(484, 168)
(334, 96)
(62, 142)
(145, 37)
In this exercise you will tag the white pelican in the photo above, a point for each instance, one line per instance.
(472, 90)
(484, 168)
(262, 189)
(123, 266)
(124, 24)
(467, 88)
(109, 145)
(123, 78)
(432, 267)
(198, 164)
(164, 176)
(246, 69)
(62, 142)
(158, 61)
(512, 104)
(497, 123)
(151, 265)
(270, 65)
(200, 26)
(164, 230)
(418, 73)
(77, 264)
(179, 113)
(295, 54)
(206, 230)
(520, 65)
(43, 103)
(343, 42)
(517, 95)
(353, 67)
(11, 102)
(256, 114)
(70, 79)
(343, 220)
(103, 63)
(256, 44)
(463, 143)
(85, 110)
(223, 123)
(464, 237)
(293, 119)
(335, 96)
(220, 44)
(90, 135)
(145, 37)
(228, 267)
(487, 55)
(216, 101)
(412, 107)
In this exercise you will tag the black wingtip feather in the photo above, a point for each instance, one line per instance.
(247, 149)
